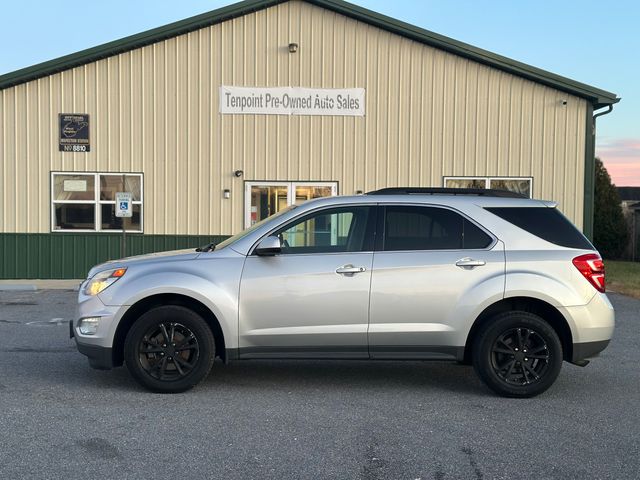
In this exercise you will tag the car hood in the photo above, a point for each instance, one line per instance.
(169, 256)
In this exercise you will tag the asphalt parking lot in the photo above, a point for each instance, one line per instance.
(306, 419)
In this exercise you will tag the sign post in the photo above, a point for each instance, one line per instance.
(124, 211)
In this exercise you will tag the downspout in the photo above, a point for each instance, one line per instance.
(589, 173)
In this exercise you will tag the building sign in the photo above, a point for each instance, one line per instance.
(74, 132)
(292, 101)
(75, 185)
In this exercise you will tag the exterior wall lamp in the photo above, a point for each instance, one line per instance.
(293, 47)
(226, 193)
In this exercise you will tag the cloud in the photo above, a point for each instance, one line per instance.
(621, 157)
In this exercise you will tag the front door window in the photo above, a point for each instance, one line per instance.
(263, 199)
(342, 229)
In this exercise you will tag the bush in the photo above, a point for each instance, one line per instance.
(610, 233)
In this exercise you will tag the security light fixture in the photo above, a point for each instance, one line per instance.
(226, 193)
(293, 47)
(238, 173)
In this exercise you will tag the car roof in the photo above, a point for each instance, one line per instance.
(459, 202)
(452, 200)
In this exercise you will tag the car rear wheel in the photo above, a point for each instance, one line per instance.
(169, 349)
(517, 354)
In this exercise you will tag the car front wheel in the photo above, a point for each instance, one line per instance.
(517, 354)
(169, 349)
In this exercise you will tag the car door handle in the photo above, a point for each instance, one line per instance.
(349, 270)
(470, 263)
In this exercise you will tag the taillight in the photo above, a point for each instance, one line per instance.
(591, 267)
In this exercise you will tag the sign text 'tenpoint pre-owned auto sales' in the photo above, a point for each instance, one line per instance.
(292, 101)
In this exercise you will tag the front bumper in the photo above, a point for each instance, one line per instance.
(97, 347)
(100, 358)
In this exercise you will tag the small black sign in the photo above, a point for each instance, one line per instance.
(74, 132)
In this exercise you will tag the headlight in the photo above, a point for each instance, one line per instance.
(102, 280)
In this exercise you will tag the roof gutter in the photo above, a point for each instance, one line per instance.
(609, 109)
(597, 97)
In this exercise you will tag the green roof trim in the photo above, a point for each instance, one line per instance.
(599, 98)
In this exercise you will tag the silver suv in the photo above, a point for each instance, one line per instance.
(485, 277)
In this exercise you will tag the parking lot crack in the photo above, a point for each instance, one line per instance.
(373, 466)
(476, 469)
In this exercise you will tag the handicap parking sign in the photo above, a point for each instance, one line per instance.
(123, 204)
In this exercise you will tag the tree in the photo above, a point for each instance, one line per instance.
(610, 233)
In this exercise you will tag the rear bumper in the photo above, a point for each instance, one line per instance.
(582, 351)
(592, 323)
(100, 358)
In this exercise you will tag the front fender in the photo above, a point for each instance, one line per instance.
(218, 292)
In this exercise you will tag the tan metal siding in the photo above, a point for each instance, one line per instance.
(429, 114)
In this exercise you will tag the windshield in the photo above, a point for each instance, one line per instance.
(253, 227)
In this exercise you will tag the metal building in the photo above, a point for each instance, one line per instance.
(221, 119)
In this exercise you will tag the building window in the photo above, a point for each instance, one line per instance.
(520, 185)
(86, 202)
(263, 199)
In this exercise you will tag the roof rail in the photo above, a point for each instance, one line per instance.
(482, 192)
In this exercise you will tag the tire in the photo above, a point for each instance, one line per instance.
(169, 349)
(517, 354)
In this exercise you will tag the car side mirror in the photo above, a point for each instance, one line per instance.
(269, 246)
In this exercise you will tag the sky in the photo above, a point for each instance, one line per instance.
(589, 41)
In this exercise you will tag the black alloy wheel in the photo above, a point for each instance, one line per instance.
(520, 356)
(169, 349)
(517, 354)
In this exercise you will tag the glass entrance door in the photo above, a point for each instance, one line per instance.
(263, 199)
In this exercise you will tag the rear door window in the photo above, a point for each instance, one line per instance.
(546, 223)
(430, 228)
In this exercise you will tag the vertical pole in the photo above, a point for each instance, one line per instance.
(635, 234)
(123, 245)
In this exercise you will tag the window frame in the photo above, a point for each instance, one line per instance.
(487, 181)
(381, 224)
(97, 202)
(291, 191)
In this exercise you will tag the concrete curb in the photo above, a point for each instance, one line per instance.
(34, 285)
(17, 288)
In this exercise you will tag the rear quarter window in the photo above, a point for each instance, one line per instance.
(546, 223)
